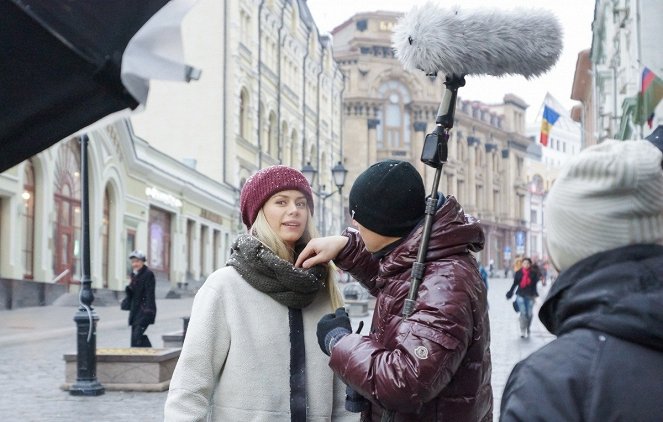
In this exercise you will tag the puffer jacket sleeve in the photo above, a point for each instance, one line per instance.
(203, 355)
(428, 349)
(355, 259)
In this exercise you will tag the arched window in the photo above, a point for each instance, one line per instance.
(105, 238)
(67, 198)
(29, 220)
(294, 150)
(244, 114)
(395, 120)
(273, 135)
(284, 136)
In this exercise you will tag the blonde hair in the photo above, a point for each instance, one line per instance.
(264, 232)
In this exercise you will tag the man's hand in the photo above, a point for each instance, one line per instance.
(320, 251)
(332, 328)
(509, 294)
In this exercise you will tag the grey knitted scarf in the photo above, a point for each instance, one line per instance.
(276, 277)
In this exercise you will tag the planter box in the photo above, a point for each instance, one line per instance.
(174, 339)
(129, 369)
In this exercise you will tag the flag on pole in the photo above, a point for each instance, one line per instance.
(550, 116)
(651, 94)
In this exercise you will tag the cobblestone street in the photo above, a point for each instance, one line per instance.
(33, 341)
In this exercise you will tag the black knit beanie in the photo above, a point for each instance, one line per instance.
(388, 198)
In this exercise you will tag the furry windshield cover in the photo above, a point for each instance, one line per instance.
(522, 41)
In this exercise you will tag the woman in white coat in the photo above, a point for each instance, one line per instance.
(251, 351)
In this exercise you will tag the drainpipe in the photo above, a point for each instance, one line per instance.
(225, 88)
(317, 130)
(308, 40)
(260, 111)
(278, 103)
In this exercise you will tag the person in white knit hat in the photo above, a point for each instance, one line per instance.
(604, 224)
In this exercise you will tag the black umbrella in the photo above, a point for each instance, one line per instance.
(60, 67)
(66, 64)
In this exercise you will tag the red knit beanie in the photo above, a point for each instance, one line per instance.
(267, 182)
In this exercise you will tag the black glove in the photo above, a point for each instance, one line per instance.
(331, 328)
(509, 294)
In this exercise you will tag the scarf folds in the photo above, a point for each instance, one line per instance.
(265, 271)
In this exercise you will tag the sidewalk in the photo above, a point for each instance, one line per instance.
(33, 341)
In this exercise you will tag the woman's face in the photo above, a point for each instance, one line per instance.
(287, 213)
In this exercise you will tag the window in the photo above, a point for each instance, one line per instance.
(394, 130)
(203, 250)
(67, 198)
(29, 220)
(216, 245)
(244, 114)
(130, 247)
(159, 241)
(105, 243)
(273, 135)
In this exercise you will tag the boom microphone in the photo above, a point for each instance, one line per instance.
(526, 42)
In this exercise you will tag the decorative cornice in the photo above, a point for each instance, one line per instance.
(420, 126)
(472, 141)
(491, 147)
(373, 123)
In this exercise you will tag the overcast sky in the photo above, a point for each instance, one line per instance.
(575, 16)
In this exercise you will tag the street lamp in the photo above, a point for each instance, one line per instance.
(86, 318)
(338, 174)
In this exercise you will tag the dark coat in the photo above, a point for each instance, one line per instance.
(141, 293)
(607, 362)
(435, 365)
(529, 290)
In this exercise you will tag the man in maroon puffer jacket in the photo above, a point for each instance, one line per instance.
(435, 365)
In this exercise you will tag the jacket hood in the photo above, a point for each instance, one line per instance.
(452, 233)
(619, 292)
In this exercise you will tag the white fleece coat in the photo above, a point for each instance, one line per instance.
(235, 362)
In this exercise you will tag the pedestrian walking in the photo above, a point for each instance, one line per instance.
(524, 285)
(484, 275)
(434, 365)
(140, 296)
(250, 353)
(604, 223)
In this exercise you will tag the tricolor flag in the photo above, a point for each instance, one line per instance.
(550, 116)
(650, 96)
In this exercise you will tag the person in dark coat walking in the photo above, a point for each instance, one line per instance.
(435, 365)
(143, 307)
(524, 284)
(604, 220)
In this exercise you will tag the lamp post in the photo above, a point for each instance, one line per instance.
(86, 319)
(338, 174)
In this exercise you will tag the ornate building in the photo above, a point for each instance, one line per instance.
(140, 198)
(626, 37)
(270, 93)
(388, 111)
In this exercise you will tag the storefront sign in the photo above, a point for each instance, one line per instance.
(163, 197)
(209, 215)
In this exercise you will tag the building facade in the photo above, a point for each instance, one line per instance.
(626, 39)
(543, 165)
(270, 93)
(388, 111)
(140, 198)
